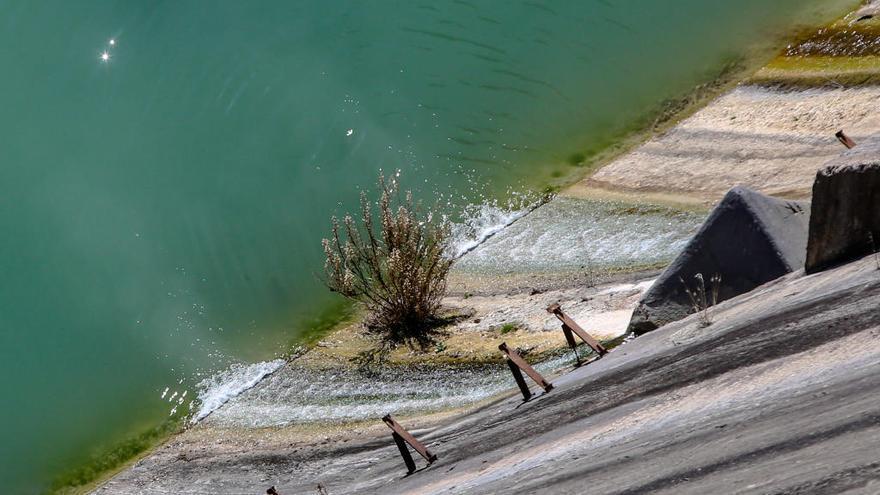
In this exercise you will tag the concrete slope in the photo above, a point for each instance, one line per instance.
(767, 139)
(778, 395)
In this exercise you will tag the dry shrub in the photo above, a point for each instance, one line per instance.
(396, 268)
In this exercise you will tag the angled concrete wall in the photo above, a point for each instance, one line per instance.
(845, 222)
(748, 239)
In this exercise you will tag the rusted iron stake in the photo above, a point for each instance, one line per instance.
(845, 140)
(403, 437)
(404, 452)
(520, 381)
(569, 337)
(577, 330)
(515, 358)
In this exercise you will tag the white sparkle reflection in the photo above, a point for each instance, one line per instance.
(105, 57)
(112, 42)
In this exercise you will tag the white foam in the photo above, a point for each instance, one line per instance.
(480, 222)
(221, 387)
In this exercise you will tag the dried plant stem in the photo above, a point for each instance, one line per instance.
(874, 250)
(698, 296)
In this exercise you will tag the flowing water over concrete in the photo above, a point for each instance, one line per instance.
(573, 234)
(297, 395)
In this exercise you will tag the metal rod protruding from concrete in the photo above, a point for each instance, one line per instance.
(404, 452)
(569, 337)
(520, 381)
(520, 363)
(844, 139)
(403, 437)
(572, 326)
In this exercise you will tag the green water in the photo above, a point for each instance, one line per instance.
(161, 210)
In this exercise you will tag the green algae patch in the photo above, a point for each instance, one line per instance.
(845, 41)
(310, 329)
(845, 53)
(104, 463)
(576, 159)
(508, 328)
(819, 71)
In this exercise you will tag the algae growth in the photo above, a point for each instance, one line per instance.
(844, 53)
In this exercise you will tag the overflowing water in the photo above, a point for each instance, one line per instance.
(573, 234)
(296, 395)
(168, 168)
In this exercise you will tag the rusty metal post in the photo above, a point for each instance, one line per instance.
(515, 358)
(569, 337)
(520, 381)
(404, 452)
(403, 437)
(844, 139)
(577, 330)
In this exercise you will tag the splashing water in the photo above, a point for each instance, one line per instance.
(479, 222)
(221, 387)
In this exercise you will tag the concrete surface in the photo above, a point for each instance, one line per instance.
(777, 395)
